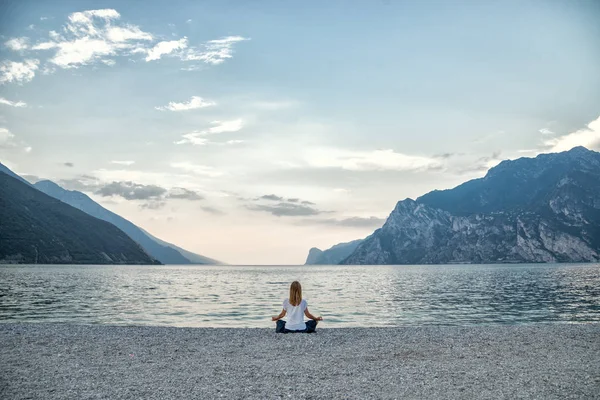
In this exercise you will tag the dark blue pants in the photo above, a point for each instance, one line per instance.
(311, 326)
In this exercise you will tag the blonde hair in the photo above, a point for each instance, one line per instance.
(295, 293)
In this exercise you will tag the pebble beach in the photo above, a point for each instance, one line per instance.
(60, 361)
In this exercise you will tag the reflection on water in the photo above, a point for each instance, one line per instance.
(224, 296)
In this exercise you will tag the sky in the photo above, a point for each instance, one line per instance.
(250, 132)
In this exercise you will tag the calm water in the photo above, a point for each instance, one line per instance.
(344, 295)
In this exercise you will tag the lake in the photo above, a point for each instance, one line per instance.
(346, 296)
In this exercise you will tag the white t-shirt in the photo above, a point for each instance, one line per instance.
(295, 315)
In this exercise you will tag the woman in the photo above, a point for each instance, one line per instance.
(295, 308)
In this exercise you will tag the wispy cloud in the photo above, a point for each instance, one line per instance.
(12, 103)
(588, 137)
(166, 47)
(225, 126)
(184, 194)
(194, 103)
(280, 207)
(90, 36)
(99, 36)
(202, 170)
(11, 71)
(285, 209)
(546, 131)
(214, 51)
(123, 162)
(198, 137)
(377, 160)
(17, 44)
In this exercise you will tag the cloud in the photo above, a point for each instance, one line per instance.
(351, 222)
(182, 193)
(588, 137)
(69, 164)
(123, 162)
(12, 103)
(153, 205)
(212, 210)
(290, 207)
(84, 183)
(197, 137)
(203, 170)
(194, 103)
(193, 138)
(9, 141)
(11, 71)
(270, 197)
(445, 156)
(30, 178)
(131, 191)
(154, 196)
(91, 36)
(17, 44)
(5, 135)
(166, 47)
(377, 160)
(225, 126)
(482, 164)
(545, 131)
(214, 51)
(95, 36)
(285, 209)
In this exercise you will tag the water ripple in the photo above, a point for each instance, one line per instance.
(352, 296)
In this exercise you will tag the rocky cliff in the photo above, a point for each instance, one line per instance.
(333, 255)
(545, 209)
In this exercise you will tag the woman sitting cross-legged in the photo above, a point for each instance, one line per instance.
(295, 308)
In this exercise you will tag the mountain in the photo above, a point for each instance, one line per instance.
(164, 252)
(8, 172)
(39, 229)
(333, 255)
(192, 257)
(543, 209)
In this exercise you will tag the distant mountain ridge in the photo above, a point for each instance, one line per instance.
(333, 255)
(38, 229)
(543, 209)
(166, 253)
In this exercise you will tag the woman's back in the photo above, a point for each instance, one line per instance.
(295, 320)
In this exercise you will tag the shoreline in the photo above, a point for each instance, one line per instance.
(58, 361)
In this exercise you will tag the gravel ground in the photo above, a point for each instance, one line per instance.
(52, 361)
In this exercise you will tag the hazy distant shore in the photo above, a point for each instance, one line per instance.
(53, 361)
